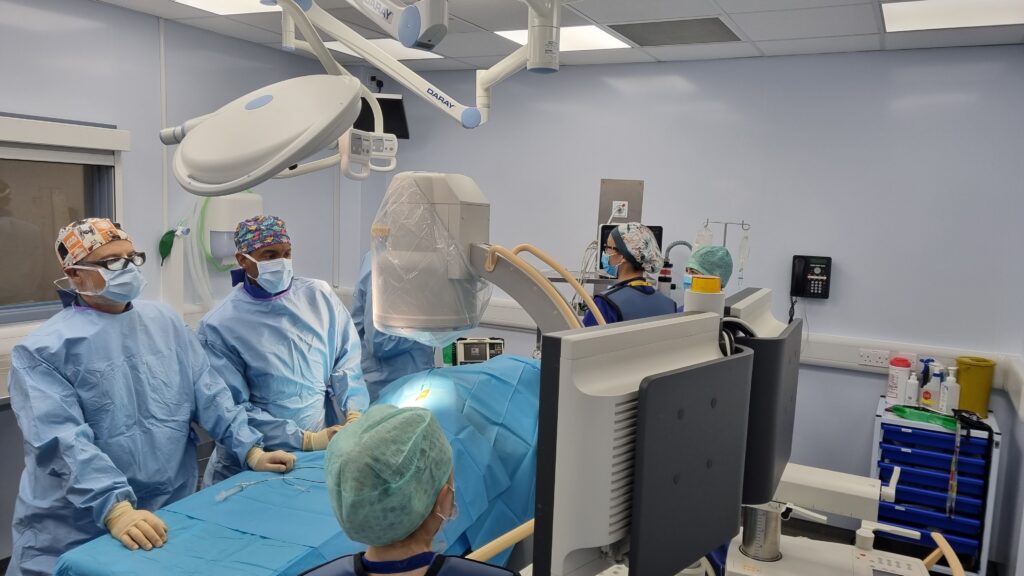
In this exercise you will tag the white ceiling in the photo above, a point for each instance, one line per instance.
(765, 28)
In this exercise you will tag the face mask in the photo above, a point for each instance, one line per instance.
(609, 268)
(440, 544)
(275, 275)
(687, 281)
(120, 285)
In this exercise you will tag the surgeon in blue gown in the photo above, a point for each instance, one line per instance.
(286, 347)
(104, 393)
(386, 358)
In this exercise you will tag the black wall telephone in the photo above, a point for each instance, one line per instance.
(811, 277)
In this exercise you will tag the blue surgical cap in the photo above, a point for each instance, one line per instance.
(385, 471)
(712, 261)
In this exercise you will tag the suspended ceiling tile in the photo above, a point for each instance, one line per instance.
(481, 62)
(161, 8)
(475, 44)
(674, 32)
(822, 45)
(458, 26)
(616, 56)
(228, 27)
(703, 51)
(991, 35)
(266, 20)
(618, 11)
(437, 64)
(738, 6)
(503, 14)
(811, 23)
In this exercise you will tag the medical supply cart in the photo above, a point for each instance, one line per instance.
(927, 497)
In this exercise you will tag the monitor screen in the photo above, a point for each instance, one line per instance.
(393, 108)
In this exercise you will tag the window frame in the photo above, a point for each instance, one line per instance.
(36, 139)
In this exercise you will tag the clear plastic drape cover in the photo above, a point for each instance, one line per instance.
(423, 285)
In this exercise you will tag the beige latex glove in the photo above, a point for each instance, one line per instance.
(136, 528)
(318, 440)
(277, 461)
(352, 416)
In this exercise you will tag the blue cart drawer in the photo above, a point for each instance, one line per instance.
(943, 441)
(915, 457)
(938, 481)
(925, 518)
(963, 546)
(937, 500)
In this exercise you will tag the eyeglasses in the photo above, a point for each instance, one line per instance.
(121, 262)
(609, 250)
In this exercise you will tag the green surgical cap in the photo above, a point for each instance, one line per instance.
(385, 471)
(712, 261)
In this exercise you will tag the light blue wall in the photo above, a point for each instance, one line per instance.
(903, 166)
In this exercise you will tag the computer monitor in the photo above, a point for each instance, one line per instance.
(641, 446)
(773, 390)
(393, 109)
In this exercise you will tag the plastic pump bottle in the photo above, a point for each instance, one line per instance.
(950, 397)
(913, 391)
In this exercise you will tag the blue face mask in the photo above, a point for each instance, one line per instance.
(609, 268)
(687, 281)
(120, 285)
(274, 275)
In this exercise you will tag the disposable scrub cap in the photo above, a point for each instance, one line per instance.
(712, 261)
(385, 471)
(638, 245)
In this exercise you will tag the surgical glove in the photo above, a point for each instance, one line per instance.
(277, 461)
(136, 528)
(352, 416)
(312, 441)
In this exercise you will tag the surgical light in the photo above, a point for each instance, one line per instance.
(574, 38)
(230, 7)
(938, 14)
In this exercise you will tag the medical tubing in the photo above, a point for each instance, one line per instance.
(538, 279)
(196, 263)
(742, 325)
(503, 542)
(669, 248)
(547, 259)
(949, 554)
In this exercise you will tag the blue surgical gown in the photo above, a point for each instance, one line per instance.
(105, 402)
(286, 359)
(386, 358)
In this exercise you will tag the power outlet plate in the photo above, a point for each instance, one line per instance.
(620, 209)
(874, 358)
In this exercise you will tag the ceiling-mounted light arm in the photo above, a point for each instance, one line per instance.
(486, 79)
(422, 25)
(313, 42)
(468, 116)
(292, 16)
(543, 35)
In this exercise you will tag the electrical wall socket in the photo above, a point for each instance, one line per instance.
(620, 209)
(875, 358)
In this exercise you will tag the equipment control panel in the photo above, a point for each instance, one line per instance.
(875, 563)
